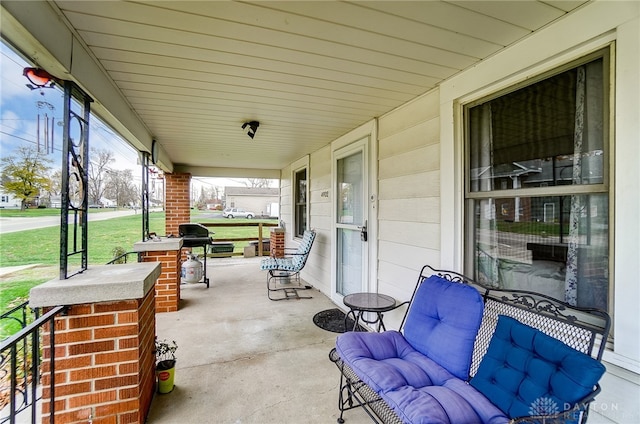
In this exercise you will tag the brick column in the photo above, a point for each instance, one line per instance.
(104, 349)
(177, 201)
(167, 252)
(168, 284)
(276, 242)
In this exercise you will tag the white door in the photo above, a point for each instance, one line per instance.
(351, 216)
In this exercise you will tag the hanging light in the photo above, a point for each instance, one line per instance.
(251, 128)
(39, 78)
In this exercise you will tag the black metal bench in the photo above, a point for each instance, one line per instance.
(585, 330)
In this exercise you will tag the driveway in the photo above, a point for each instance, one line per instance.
(11, 225)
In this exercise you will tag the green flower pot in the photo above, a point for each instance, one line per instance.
(165, 373)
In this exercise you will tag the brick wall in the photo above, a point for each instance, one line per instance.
(104, 362)
(168, 284)
(177, 201)
(276, 243)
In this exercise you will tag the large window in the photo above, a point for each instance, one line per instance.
(537, 185)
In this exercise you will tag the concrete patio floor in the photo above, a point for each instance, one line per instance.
(245, 359)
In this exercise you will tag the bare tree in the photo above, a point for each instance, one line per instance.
(99, 162)
(26, 174)
(202, 199)
(119, 186)
(257, 183)
(55, 185)
(216, 193)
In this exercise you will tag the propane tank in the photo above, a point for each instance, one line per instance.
(191, 271)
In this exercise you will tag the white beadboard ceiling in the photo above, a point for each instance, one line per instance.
(308, 71)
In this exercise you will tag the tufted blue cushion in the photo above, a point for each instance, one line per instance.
(443, 321)
(385, 361)
(439, 333)
(527, 372)
(453, 402)
(419, 390)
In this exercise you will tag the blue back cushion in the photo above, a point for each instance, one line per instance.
(443, 321)
(526, 372)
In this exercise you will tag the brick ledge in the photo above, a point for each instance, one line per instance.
(103, 283)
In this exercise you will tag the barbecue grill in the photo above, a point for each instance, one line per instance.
(196, 235)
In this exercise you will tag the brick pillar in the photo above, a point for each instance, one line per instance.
(177, 201)
(168, 284)
(276, 242)
(104, 362)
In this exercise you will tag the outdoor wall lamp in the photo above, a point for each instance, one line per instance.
(253, 128)
(39, 78)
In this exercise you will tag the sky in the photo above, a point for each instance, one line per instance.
(19, 110)
(20, 107)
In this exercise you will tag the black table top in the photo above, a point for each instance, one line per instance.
(370, 302)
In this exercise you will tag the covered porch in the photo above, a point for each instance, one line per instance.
(245, 359)
(385, 83)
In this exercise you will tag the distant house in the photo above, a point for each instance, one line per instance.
(261, 201)
(107, 203)
(55, 201)
(8, 200)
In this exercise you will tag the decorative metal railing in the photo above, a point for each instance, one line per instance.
(20, 363)
(145, 194)
(75, 181)
(124, 258)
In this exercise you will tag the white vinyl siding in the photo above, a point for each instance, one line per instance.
(408, 197)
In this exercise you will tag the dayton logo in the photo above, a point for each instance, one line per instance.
(543, 406)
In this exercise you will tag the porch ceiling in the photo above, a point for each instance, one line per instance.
(194, 71)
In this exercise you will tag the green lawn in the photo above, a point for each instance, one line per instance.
(42, 246)
(35, 212)
(535, 228)
(233, 232)
(14, 290)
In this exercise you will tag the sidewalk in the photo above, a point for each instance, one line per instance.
(12, 225)
(11, 269)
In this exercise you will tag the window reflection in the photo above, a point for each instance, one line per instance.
(549, 138)
(541, 250)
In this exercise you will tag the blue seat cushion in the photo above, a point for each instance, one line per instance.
(442, 323)
(385, 361)
(454, 402)
(526, 372)
(418, 389)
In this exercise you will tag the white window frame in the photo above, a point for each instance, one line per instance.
(301, 164)
(606, 187)
(600, 25)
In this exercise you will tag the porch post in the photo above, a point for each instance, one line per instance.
(104, 361)
(177, 201)
(276, 242)
(167, 252)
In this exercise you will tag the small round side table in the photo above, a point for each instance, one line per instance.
(368, 302)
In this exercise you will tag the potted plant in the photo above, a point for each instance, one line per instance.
(165, 364)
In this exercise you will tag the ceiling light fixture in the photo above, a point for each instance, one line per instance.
(253, 128)
(39, 78)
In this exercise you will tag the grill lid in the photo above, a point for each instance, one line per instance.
(193, 230)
